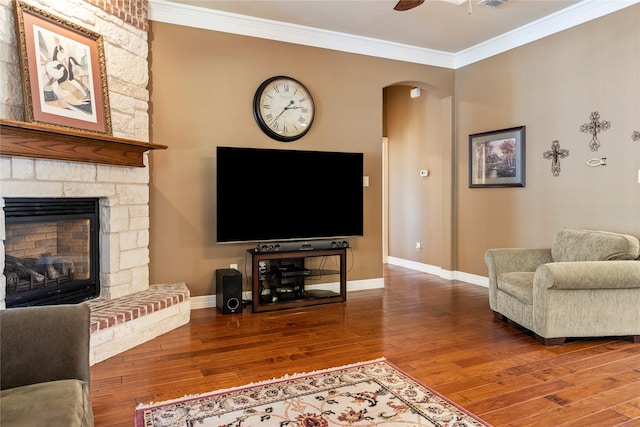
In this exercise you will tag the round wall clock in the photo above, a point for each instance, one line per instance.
(283, 108)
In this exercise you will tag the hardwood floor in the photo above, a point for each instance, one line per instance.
(439, 331)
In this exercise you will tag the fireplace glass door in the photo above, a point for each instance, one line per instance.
(51, 251)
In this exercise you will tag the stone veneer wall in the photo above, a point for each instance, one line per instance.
(140, 311)
(123, 191)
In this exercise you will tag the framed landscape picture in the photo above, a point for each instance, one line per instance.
(63, 72)
(497, 158)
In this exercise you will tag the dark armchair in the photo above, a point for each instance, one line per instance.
(44, 359)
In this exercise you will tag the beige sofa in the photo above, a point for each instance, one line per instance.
(44, 366)
(586, 285)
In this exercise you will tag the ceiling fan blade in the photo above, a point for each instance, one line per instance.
(407, 4)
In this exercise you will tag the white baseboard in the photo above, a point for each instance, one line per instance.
(473, 279)
(209, 301)
(440, 272)
(206, 301)
(361, 285)
(425, 268)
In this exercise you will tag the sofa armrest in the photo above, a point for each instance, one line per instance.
(45, 343)
(506, 260)
(588, 275)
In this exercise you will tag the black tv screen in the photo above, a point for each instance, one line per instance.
(272, 195)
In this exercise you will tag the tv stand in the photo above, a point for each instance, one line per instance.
(294, 279)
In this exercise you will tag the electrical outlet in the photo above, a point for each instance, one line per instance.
(418, 246)
(234, 266)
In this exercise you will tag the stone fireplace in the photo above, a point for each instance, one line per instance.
(129, 310)
(122, 195)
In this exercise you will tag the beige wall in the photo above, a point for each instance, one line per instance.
(203, 84)
(552, 86)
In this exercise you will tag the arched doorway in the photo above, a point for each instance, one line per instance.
(418, 209)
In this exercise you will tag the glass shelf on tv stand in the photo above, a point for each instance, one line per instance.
(281, 280)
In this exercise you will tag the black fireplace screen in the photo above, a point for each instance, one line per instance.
(51, 250)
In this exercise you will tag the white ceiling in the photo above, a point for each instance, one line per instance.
(441, 27)
(435, 24)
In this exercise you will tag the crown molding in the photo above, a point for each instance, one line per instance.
(564, 19)
(209, 19)
(215, 20)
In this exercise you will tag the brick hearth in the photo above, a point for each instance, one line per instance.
(121, 323)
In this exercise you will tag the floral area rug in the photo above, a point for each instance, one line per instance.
(372, 393)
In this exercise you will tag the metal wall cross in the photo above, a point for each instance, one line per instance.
(555, 154)
(594, 128)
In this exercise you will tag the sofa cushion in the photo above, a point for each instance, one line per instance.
(586, 245)
(517, 284)
(54, 403)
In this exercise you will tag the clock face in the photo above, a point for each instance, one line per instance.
(283, 108)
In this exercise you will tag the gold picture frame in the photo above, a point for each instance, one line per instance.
(63, 71)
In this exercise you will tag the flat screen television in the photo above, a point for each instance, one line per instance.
(279, 195)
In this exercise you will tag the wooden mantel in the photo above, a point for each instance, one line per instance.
(46, 142)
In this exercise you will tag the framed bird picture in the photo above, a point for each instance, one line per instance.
(63, 72)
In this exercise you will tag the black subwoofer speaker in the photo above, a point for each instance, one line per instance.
(229, 290)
